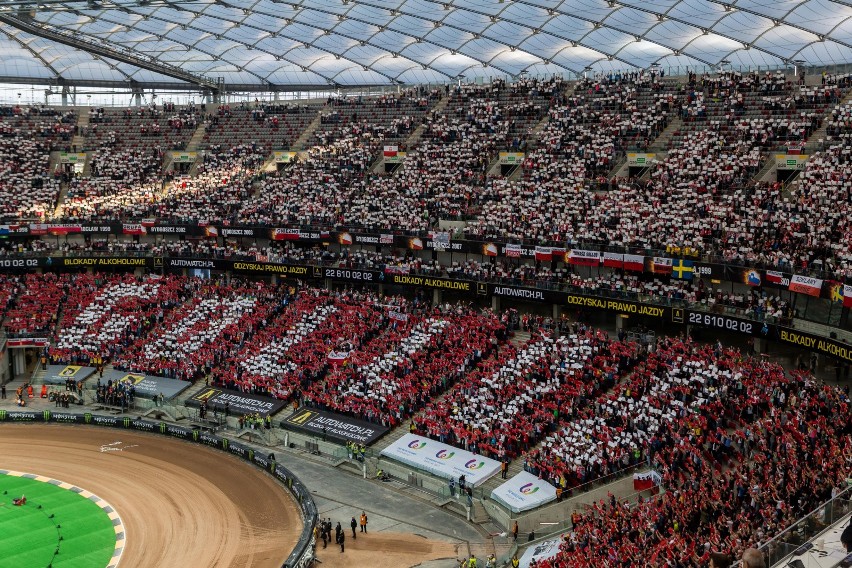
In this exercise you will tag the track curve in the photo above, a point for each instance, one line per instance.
(182, 504)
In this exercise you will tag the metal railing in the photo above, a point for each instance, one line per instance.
(803, 531)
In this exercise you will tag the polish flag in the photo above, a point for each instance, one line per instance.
(661, 265)
(613, 260)
(645, 480)
(806, 285)
(847, 296)
(584, 257)
(543, 253)
(634, 262)
(513, 251)
(774, 277)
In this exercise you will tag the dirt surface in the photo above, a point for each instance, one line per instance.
(386, 550)
(181, 504)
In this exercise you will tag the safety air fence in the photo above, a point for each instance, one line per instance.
(302, 554)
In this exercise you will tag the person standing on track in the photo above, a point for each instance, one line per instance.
(354, 524)
(363, 521)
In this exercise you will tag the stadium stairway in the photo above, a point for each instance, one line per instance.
(661, 144)
(816, 141)
(197, 137)
(78, 143)
(415, 136)
(306, 134)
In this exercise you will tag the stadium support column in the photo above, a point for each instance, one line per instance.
(328, 285)
(619, 323)
(495, 303)
(436, 297)
(274, 279)
(228, 275)
(137, 96)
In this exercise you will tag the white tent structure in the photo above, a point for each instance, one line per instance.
(269, 45)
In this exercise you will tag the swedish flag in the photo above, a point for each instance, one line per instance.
(682, 269)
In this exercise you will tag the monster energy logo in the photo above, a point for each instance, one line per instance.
(224, 443)
(87, 418)
(162, 428)
(126, 422)
(46, 415)
(2, 415)
(251, 455)
(195, 435)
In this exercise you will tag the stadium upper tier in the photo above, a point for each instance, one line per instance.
(286, 44)
(707, 193)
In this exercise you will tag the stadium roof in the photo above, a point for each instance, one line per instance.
(297, 44)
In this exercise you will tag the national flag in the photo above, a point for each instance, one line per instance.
(543, 253)
(211, 231)
(385, 239)
(513, 251)
(646, 480)
(584, 257)
(344, 239)
(133, 229)
(660, 265)
(613, 260)
(441, 241)
(634, 262)
(338, 358)
(774, 277)
(64, 229)
(8, 229)
(391, 151)
(489, 249)
(682, 269)
(415, 243)
(398, 316)
(805, 285)
(396, 270)
(558, 253)
(150, 222)
(261, 258)
(286, 234)
(847, 296)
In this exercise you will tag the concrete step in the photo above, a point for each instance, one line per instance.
(197, 138)
(306, 134)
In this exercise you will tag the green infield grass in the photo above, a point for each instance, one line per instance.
(57, 527)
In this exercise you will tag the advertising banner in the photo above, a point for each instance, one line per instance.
(98, 262)
(441, 460)
(147, 386)
(529, 294)
(615, 305)
(237, 402)
(815, 343)
(59, 374)
(428, 282)
(523, 492)
(334, 426)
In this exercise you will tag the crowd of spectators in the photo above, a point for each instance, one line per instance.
(744, 450)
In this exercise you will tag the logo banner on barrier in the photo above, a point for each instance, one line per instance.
(441, 460)
(59, 374)
(335, 426)
(147, 386)
(621, 306)
(523, 492)
(542, 551)
(237, 402)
